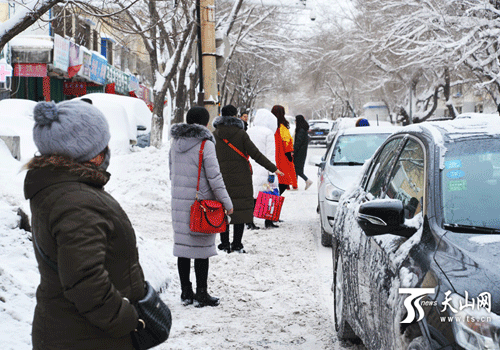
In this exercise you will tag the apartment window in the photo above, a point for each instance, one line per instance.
(82, 36)
(107, 49)
(95, 41)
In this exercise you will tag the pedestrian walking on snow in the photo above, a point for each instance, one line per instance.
(300, 148)
(284, 151)
(262, 135)
(84, 243)
(184, 161)
(234, 148)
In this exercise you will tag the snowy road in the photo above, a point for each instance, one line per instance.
(277, 296)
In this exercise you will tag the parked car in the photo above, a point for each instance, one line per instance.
(136, 112)
(416, 245)
(318, 129)
(340, 168)
(16, 119)
(339, 124)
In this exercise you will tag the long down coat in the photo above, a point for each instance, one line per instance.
(284, 144)
(184, 160)
(262, 135)
(235, 169)
(82, 229)
(300, 150)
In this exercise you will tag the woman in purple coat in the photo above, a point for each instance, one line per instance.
(184, 160)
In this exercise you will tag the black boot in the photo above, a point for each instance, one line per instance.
(252, 226)
(270, 224)
(187, 295)
(224, 245)
(204, 299)
(237, 247)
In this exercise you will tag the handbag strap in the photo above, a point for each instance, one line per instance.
(50, 263)
(239, 152)
(199, 166)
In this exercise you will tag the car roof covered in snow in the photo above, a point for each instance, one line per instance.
(385, 129)
(450, 130)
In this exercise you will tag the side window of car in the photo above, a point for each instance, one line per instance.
(381, 168)
(407, 181)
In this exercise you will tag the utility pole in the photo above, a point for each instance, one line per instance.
(207, 57)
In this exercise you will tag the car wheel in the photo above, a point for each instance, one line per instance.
(326, 238)
(420, 343)
(344, 330)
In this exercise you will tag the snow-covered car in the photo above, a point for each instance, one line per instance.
(318, 129)
(341, 166)
(137, 114)
(416, 244)
(16, 119)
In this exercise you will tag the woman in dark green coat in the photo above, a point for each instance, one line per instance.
(233, 147)
(85, 245)
(300, 147)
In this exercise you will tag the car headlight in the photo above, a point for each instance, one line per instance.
(333, 193)
(475, 328)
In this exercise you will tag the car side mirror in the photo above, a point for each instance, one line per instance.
(141, 127)
(380, 217)
(317, 160)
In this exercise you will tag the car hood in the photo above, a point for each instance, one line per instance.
(470, 262)
(342, 176)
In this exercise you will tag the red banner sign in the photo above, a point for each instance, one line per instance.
(74, 88)
(30, 70)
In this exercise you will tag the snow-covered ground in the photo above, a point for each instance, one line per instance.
(277, 296)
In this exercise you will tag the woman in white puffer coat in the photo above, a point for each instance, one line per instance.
(262, 135)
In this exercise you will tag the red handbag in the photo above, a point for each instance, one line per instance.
(206, 216)
(268, 206)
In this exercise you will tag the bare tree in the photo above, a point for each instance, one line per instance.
(26, 15)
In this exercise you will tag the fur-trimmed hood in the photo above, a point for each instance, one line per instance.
(47, 170)
(186, 136)
(228, 121)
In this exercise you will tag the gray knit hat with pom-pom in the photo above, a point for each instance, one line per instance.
(72, 128)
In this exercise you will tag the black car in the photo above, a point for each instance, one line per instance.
(318, 130)
(416, 246)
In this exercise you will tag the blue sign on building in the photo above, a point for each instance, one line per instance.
(98, 66)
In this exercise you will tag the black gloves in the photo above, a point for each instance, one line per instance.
(289, 156)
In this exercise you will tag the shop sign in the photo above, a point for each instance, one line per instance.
(74, 88)
(98, 68)
(86, 62)
(133, 84)
(5, 71)
(30, 69)
(119, 78)
(61, 53)
(75, 59)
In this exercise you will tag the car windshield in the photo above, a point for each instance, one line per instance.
(471, 184)
(355, 149)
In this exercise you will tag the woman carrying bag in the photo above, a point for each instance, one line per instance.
(184, 161)
(234, 148)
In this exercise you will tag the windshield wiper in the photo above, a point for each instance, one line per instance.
(347, 163)
(468, 228)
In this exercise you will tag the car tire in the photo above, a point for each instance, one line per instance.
(326, 238)
(420, 343)
(344, 330)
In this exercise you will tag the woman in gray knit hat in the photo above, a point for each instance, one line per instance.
(84, 242)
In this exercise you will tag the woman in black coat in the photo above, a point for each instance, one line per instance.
(301, 140)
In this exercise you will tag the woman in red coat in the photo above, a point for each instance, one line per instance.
(284, 150)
